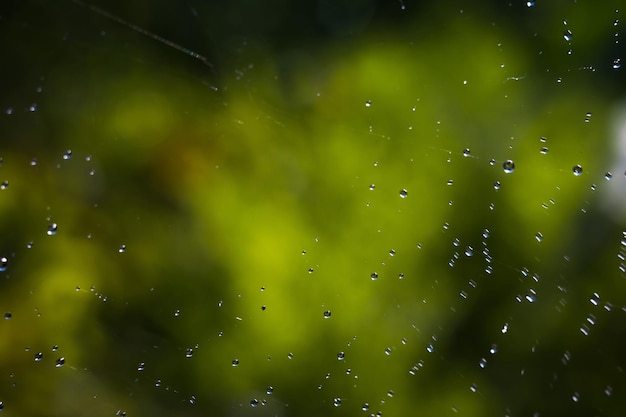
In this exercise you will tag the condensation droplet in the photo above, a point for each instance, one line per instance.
(52, 229)
(567, 35)
(508, 166)
(577, 170)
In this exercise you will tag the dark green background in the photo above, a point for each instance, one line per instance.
(241, 193)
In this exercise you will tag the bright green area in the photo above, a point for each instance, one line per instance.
(244, 201)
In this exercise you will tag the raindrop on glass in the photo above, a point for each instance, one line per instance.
(404, 193)
(530, 3)
(141, 366)
(508, 166)
(392, 252)
(493, 349)
(577, 170)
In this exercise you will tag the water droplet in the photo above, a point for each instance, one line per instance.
(368, 103)
(38, 356)
(392, 252)
(327, 314)
(365, 406)
(235, 362)
(269, 390)
(52, 229)
(341, 356)
(177, 313)
(577, 170)
(388, 351)
(587, 117)
(543, 150)
(508, 166)
(492, 162)
(469, 251)
(404, 193)
(67, 154)
(430, 348)
(575, 397)
(189, 353)
(254, 402)
(141, 366)
(493, 349)
(3, 264)
(466, 152)
(337, 402)
(505, 328)
(617, 63)
(530, 3)
(567, 35)
(4, 185)
(7, 316)
(290, 356)
(59, 362)
(122, 249)
(539, 236)
(608, 176)
(497, 185)
(482, 363)
(372, 187)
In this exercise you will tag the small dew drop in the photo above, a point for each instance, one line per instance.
(122, 249)
(337, 402)
(327, 314)
(3, 264)
(341, 356)
(493, 349)
(497, 185)
(567, 35)
(7, 316)
(365, 406)
(617, 63)
(372, 187)
(508, 166)
(38, 356)
(539, 236)
(254, 402)
(466, 152)
(577, 170)
(608, 176)
(67, 154)
(388, 351)
(543, 151)
(189, 353)
(59, 362)
(4, 185)
(530, 3)
(52, 229)
(141, 366)
(404, 193)
(177, 313)
(235, 362)
(374, 276)
(368, 103)
(392, 252)
(587, 117)
(269, 390)
(482, 363)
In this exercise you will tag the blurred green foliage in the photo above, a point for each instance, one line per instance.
(211, 215)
